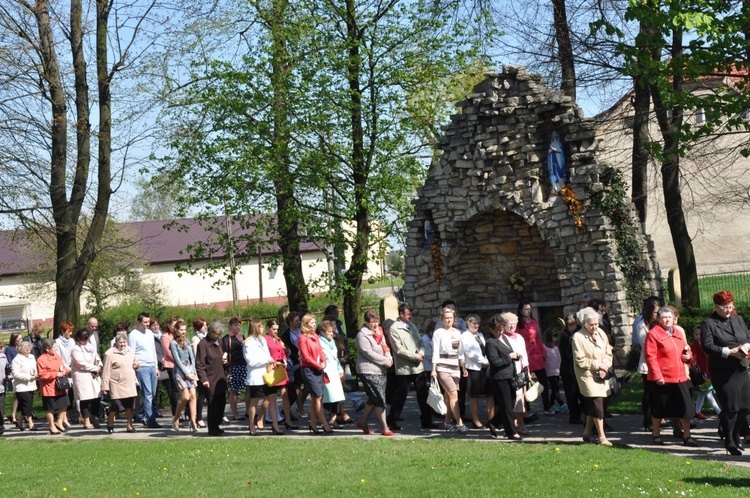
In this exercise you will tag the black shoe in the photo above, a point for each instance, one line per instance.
(131, 430)
(215, 432)
(678, 434)
(154, 425)
(492, 429)
(430, 425)
(740, 443)
(393, 426)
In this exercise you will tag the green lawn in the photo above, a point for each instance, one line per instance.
(335, 466)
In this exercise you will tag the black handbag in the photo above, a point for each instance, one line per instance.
(8, 385)
(521, 379)
(697, 376)
(62, 383)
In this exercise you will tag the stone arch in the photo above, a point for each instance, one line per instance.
(491, 216)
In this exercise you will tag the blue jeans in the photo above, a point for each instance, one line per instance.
(147, 379)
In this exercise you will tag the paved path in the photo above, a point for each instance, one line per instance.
(548, 429)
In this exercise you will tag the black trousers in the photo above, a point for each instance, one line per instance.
(572, 395)
(646, 401)
(172, 390)
(504, 395)
(216, 405)
(400, 392)
(422, 381)
(541, 377)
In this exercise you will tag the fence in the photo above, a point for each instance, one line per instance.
(710, 283)
(737, 282)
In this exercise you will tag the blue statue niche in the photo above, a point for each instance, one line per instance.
(558, 175)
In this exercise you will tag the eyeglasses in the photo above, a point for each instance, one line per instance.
(728, 307)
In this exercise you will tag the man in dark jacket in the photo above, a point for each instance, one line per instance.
(210, 362)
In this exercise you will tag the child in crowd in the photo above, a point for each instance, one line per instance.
(705, 391)
(552, 368)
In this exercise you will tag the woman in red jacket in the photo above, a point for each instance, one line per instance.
(50, 367)
(666, 353)
(312, 362)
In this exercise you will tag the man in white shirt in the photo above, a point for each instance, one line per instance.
(141, 340)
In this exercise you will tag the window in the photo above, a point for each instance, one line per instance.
(700, 116)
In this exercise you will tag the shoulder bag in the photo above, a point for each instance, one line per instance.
(435, 398)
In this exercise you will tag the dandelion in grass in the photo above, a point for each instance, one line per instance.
(65, 490)
(596, 466)
(362, 481)
(557, 449)
(164, 469)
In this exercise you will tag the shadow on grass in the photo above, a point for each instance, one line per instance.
(739, 482)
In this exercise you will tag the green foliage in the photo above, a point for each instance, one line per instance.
(614, 203)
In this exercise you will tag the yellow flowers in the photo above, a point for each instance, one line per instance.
(596, 466)
(362, 481)
(517, 282)
(65, 490)
(557, 449)
(574, 206)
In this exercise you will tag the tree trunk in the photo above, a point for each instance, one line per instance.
(72, 265)
(641, 107)
(358, 264)
(670, 170)
(564, 49)
(287, 210)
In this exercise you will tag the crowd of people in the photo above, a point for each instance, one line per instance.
(312, 359)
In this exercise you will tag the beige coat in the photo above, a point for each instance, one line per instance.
(406, 344)
(118, 375)
(85, 369)
(586, 357)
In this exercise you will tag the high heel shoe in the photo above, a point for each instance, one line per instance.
(252, 432)
(110, 429)
(60, 428)
(18, 424)
(364, 428)
(259, 422)
(385, 432)
(734, 451)
(315, 431)
(277, 432)
(55, 433)
(175, 428)
(492, 429)
(290, 426)
(329, 431)
(689, 441)
(657, 440)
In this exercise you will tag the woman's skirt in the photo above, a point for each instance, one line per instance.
(374, 388)
(25, 402)
(732, 388)
(313, 380)
(256, 391)
(122, 404)
(183, 383)
(671, 400)
(237, 377)
(54, 403)
(476, 383)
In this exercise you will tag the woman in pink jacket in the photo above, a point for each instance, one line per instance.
(528, 327)
(666, 353)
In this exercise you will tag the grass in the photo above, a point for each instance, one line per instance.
(351, 466)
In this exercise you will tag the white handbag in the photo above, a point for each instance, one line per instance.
(435, 398)
(533, 391)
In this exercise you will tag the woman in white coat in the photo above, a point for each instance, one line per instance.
(25, 375)
(259, 360)
(86, 365)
